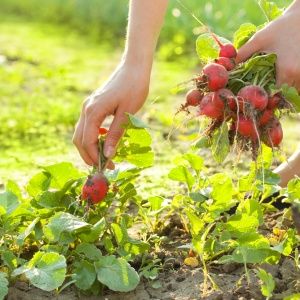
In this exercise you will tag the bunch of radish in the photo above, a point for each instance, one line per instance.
(249, 109)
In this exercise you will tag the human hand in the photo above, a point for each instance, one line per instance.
(282, 37)
(125, 92)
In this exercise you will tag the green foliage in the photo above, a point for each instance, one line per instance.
(117, 274)
(243, 34)
(3, 285)
(268, 283)
(45, 270)
(270, 9)
(66, 233)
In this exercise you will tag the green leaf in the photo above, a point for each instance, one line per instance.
(84, 274)
(182, 174)
(251, 207)
(135, 122)
(196, 161)
(95, 232)
(9, 259)
(196, 223)
(61, 173)
(222, 188)
(207, 48)
(287, 245)
(242, 223)
(21, 237)
(268, 283)
(116, 274)
(90, 251)
(120, 233)
(136, 247)
(45, 271)
(60, 223)
(293, 189)
(220, 143)
(250, 255)
(291, 94)
(38, 183)
(203, 142)
(156, 202)
(8, 203)
(11, 186)
(243, 34)
(270, 10)
(3, 285)
(141, 160)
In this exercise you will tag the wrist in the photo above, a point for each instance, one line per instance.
(142, 60)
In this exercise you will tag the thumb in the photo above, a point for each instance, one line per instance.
(114, 134)
(248, 49)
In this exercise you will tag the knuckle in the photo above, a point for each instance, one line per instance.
(89, 109)
(85, 102)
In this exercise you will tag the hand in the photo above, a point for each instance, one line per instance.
(282, 36)
(125, 92)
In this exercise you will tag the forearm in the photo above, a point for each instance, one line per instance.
(145, 21)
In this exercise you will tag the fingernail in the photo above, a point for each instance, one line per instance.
(109, 151)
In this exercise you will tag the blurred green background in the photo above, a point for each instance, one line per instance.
(53, 53)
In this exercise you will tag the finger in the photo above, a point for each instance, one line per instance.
(248, 49)
(284, 74)
(77, 141)
(90, 134)
(115, 133)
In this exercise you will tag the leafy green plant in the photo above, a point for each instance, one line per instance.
(51, 237)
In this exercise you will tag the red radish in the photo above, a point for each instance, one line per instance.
(95, 188)
(228, 63)
(102, 131)
(226, 50)
(266, 117)
(193, 98)
(224, 95)
(212, 106)
(246, 127)
(233, 102)
(274, 101)
(254, 95)
(216, 76)
(274, 134)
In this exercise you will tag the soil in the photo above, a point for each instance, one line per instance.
(180, 282)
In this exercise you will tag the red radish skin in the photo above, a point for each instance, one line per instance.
(95, 188)
(274, 134)
(216, 76)
(226, 50)
(266, 117)
(233, 102)
(255, 95)
(246, 127)
(212, 106)
(274, 101)
(224, 95)
(103, 131)
(193, 98)
(228, 63)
